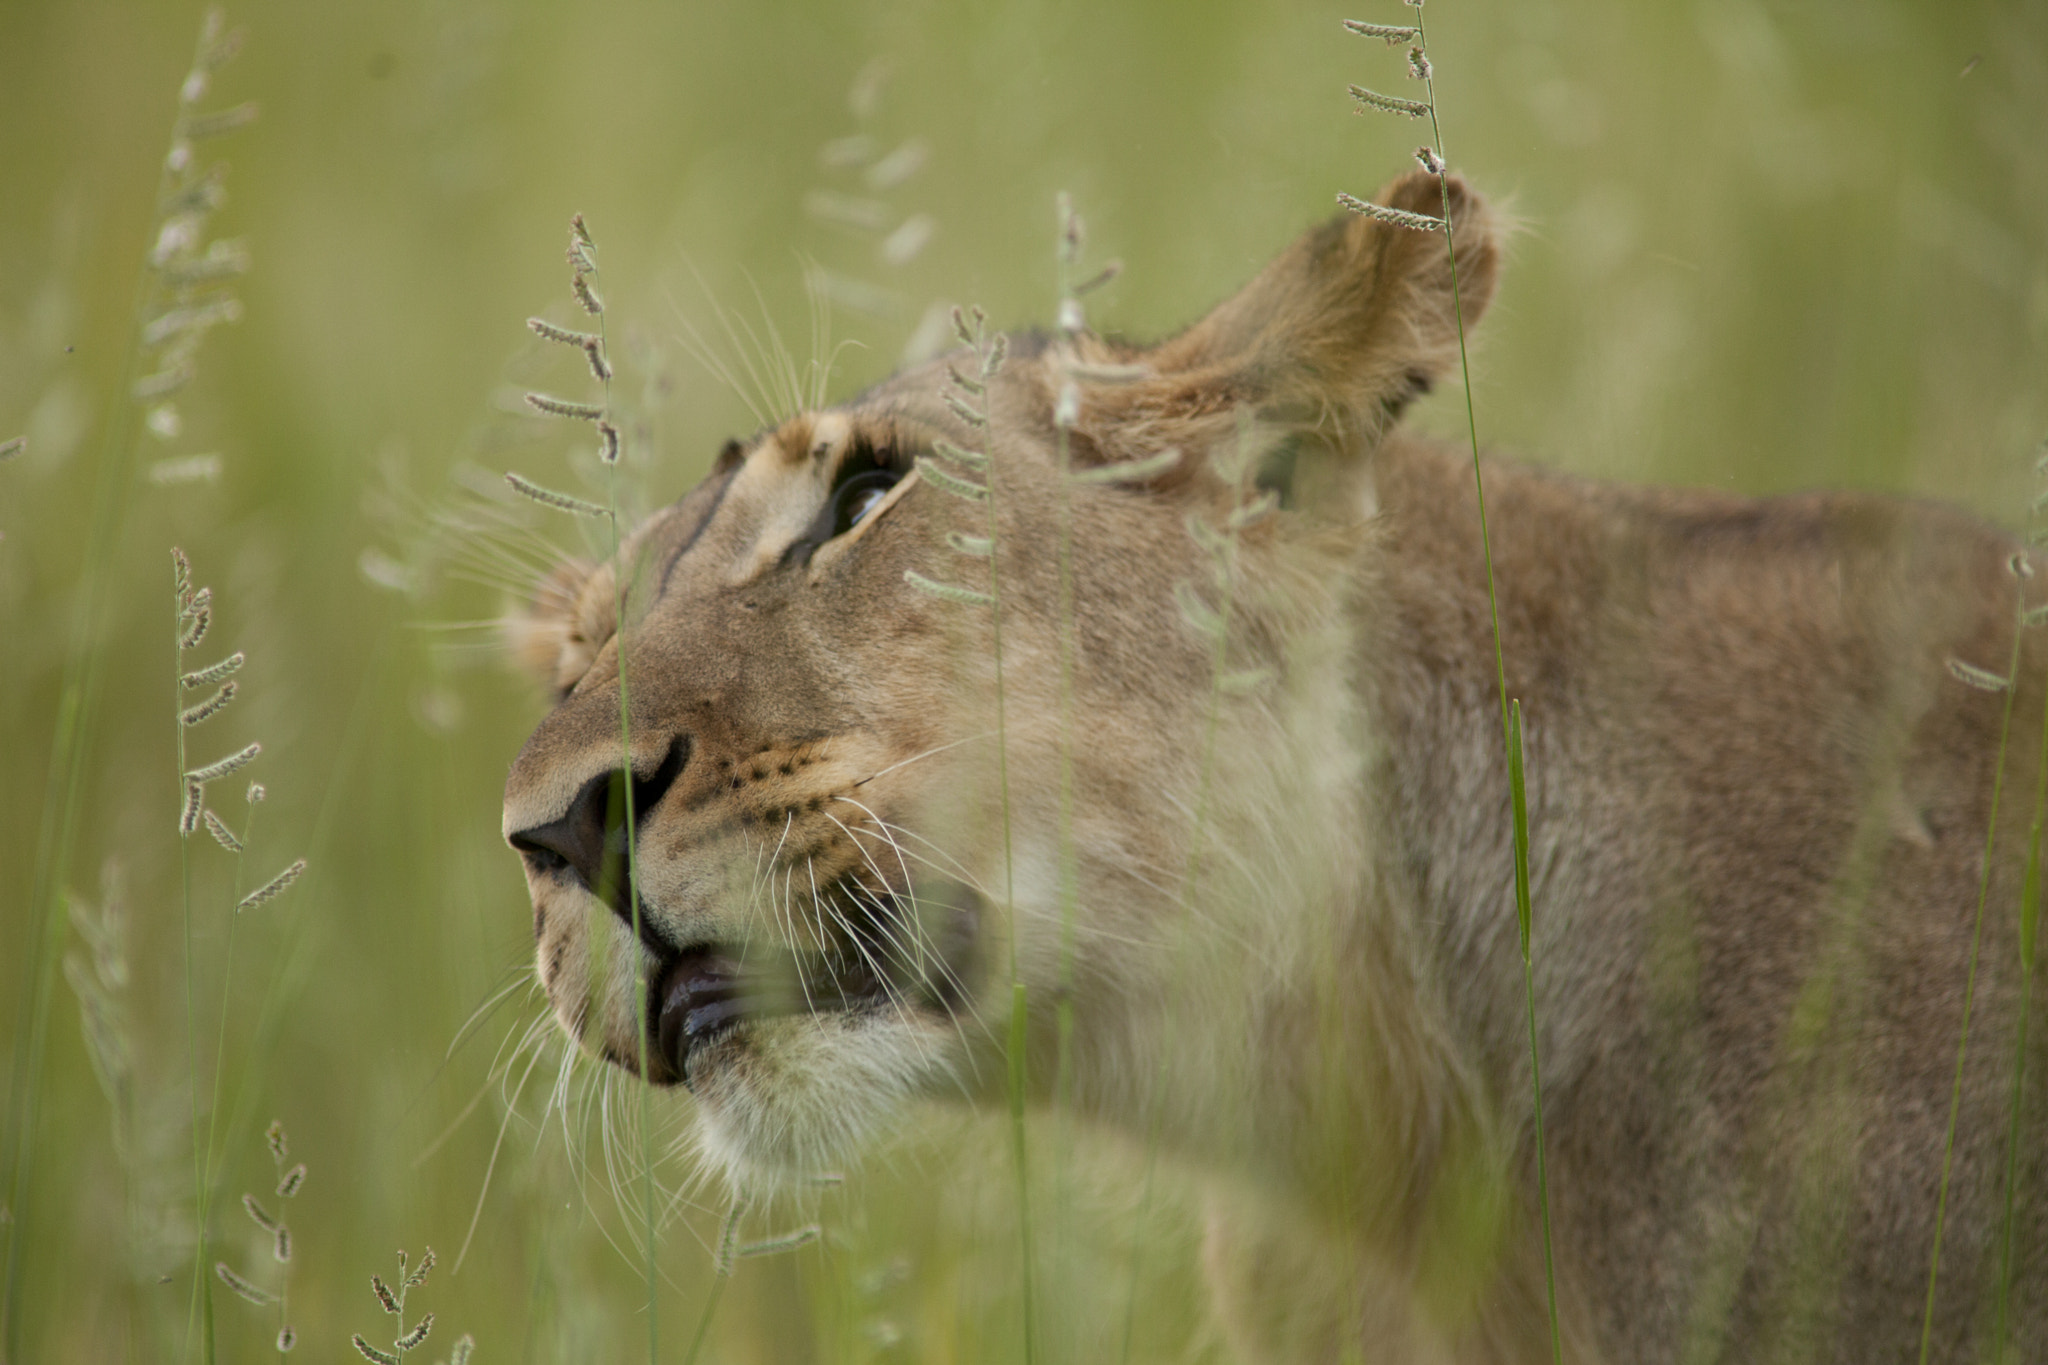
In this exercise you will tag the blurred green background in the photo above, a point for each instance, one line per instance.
(1762, 246)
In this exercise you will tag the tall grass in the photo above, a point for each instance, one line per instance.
(387, 191)
(1433, 160)
(178, 300)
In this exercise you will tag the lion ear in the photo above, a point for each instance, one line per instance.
(547, 637)
(1337, 335)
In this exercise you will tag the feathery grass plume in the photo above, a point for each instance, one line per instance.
(183, 469)
(243, 1289)
(1983, 679)
(193, 610)
(1401, 218)
(1392, 34)
(1129, 471)
(787, 1241)
(548, 497)
(1387, 104)
(404, 1339)
(566, 336)
(273, 888)
(562, 407)
(948, 592)
(1427, 158)
(862, 202)
(211, 707)
(222, 835)
(582, 257)
(213, 673)
(12, 447)
(937, 475)
(1420, 68)
(234, 762)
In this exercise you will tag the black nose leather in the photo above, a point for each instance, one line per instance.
(595, 823)
(590, 838)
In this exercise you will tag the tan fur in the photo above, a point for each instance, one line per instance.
(1758, 807)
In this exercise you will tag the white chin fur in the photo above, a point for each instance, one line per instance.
(783, 1100)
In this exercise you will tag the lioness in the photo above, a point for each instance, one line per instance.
(1218, 777)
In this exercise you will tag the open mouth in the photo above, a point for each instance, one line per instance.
(704, 992)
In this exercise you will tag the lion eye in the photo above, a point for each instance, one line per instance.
(858, 496)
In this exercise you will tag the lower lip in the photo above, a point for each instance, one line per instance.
(698, 1000)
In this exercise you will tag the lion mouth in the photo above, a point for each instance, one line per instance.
(706, 991)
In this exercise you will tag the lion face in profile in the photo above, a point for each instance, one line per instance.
(1130, 720)
(865, 814)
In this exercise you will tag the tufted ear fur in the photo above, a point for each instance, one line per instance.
(562, 625)
(1336, 336)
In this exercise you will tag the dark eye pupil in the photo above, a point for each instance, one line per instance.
(859, 496)
(862, 503)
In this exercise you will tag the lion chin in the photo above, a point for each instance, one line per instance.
(781, 1102)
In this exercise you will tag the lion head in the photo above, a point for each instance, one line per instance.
(930, 701)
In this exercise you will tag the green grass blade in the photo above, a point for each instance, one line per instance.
(1955, 1100)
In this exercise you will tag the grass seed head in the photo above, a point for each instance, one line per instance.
(384, 1294)
(1414, 222)
(371, 1353)
(1387, 104)
(1427, 158)
(273, 888)
(1067, 411)
(288, 1184)
(241, 1287)
(947, 592)
(1418, 64)
(211, 707)
(259, 1215)
(286, 1339)
(195, 801)
(275, 1136)
(563, 407)
(213, 673)
(12, 447)
(1983, 679)
(419, 1274)
(181, 469)
(547, 330)
(548, 497)
(1391, 34)
(414, 1339)
(221, 768)
(222, 835)
(195, 624)
(255, 794)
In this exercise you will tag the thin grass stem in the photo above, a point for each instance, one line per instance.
(2029, 925)
(1955, 1102)
(1510, 715)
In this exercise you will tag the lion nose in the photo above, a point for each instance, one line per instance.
(590, 837)
(593, 828)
